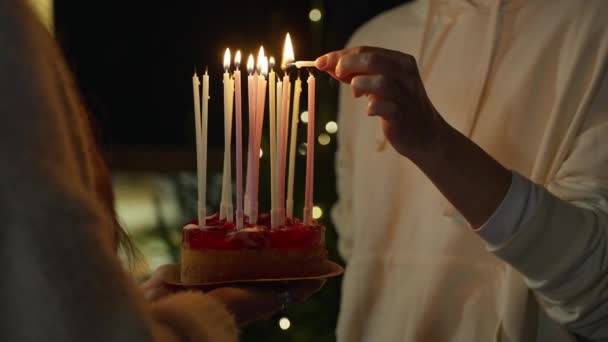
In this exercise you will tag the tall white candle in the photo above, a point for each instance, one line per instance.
(226, 208)
(203, 168)
(199, 140)
(292, 146)
(239, 142)
(279, 106)
(310, 153)
(288, 57)
(252, 99)
(282, 147)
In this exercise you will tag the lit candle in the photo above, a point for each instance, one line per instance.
(275, 214)
(272, 128)
(251, 154)
(310, 150)
(239, 142)
(288, 56)
(260, 103)
(202, 212)
(292, 146)
(226, 209)
(278, 116)
(199, 140)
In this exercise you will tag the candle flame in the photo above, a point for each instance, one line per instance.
(260, 60)
(237, 59)
(250, 64)
(265, 66)
(271, 62)
(227, 60)
(288, 55)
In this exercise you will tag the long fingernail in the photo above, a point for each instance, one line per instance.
(321, 62)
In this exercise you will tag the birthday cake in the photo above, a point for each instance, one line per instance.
(221, 253)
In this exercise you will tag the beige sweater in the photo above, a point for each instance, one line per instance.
(61, 278)
(523, 79)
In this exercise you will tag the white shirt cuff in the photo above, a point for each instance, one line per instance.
(503, 224)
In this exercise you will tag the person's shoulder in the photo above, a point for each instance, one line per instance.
(399, 17)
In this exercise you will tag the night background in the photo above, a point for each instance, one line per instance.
(134, 63)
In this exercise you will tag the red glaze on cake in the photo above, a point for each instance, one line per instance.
(221, 253)
(221, 235)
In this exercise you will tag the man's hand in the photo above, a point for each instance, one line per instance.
(395, 92)
(467, 176)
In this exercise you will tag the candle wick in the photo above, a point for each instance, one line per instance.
(206, 69)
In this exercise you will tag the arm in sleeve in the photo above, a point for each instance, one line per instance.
(63, 280)
(560, 242)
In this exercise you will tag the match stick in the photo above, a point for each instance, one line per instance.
(300, 64)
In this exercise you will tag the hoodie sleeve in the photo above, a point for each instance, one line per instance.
(560, 239)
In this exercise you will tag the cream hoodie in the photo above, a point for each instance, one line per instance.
(523, 79)
(61, 280)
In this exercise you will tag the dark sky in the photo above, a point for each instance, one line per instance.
(134, 60)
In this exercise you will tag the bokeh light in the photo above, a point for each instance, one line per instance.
(331, 127)
(317, 212)
(315, 15)
(302, 149)
(324, 139)
(304, 117)
(284, 323)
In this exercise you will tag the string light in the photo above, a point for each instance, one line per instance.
(331, 127)
(317, 212)
(324, 139)
(284, 323)
(304, 117)
(315, 15)
(302, 149)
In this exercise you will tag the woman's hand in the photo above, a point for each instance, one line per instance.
(246, 303)
(395, 92)
(155, 288)
(251, 303)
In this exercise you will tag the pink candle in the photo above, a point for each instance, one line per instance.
(239, 143)
(310, 152)
(251, 91)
